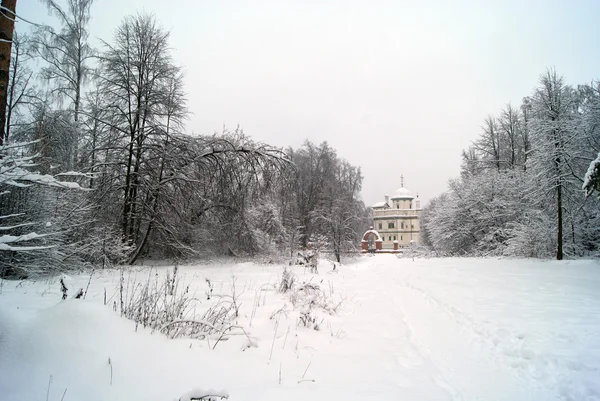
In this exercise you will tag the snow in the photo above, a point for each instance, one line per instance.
(199, 393)
(17, 145)
(433, 329)
(402, 193)
(589, 175)
(5, 247)
(5, 239)
(8, 216)
(374, 232)
(8, 239)
(74, 174)
(7, 228)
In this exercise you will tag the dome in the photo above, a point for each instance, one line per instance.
(402, 193)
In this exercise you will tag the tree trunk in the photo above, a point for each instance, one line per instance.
(76, 119)
(10, 102)
(93, 156)
(127, 197)
(559, 251)
(138, 251)
(7, 26)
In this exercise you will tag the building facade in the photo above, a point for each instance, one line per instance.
(397, 218)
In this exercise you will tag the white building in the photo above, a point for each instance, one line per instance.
(398, 218)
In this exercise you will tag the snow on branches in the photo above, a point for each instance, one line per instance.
(15, 172)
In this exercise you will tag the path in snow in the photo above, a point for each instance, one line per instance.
(502, 332)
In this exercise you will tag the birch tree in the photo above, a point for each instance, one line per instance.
(67, 55)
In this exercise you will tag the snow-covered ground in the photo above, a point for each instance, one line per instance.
(436, 329)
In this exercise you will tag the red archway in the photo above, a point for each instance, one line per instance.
(368, 237)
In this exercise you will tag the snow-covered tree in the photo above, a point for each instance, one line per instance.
(17, 172)
(137, 82)
(520, 191)
(338, 216)
(591, 180)
(320, 199)
(555, 136)
(66, 54)
(592, 139)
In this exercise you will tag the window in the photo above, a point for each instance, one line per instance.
(390, 225)
(402, 225)
(400, 238)
(390, 238)
(394, 238)
(412, 226)
(380, 226)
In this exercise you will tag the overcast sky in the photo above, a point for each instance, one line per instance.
(396, 87)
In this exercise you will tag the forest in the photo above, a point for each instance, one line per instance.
(526, 183)
(97, 169)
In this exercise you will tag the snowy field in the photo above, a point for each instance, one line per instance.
(391, 329)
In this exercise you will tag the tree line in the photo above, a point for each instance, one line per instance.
(97, 169)
(526, 184)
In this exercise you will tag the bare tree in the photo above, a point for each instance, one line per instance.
(321, 200)
(510, 124)
(471, 164)
(314, 170)
(339, 216)
(489, 143)
(136, 71)
(20, 91)
(173, 111)
(66, 53)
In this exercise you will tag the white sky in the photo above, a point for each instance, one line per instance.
(396, 87)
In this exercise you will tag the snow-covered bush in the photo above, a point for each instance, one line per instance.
(155, 302)
(287, 281)
(310, 298)
(165, 304)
